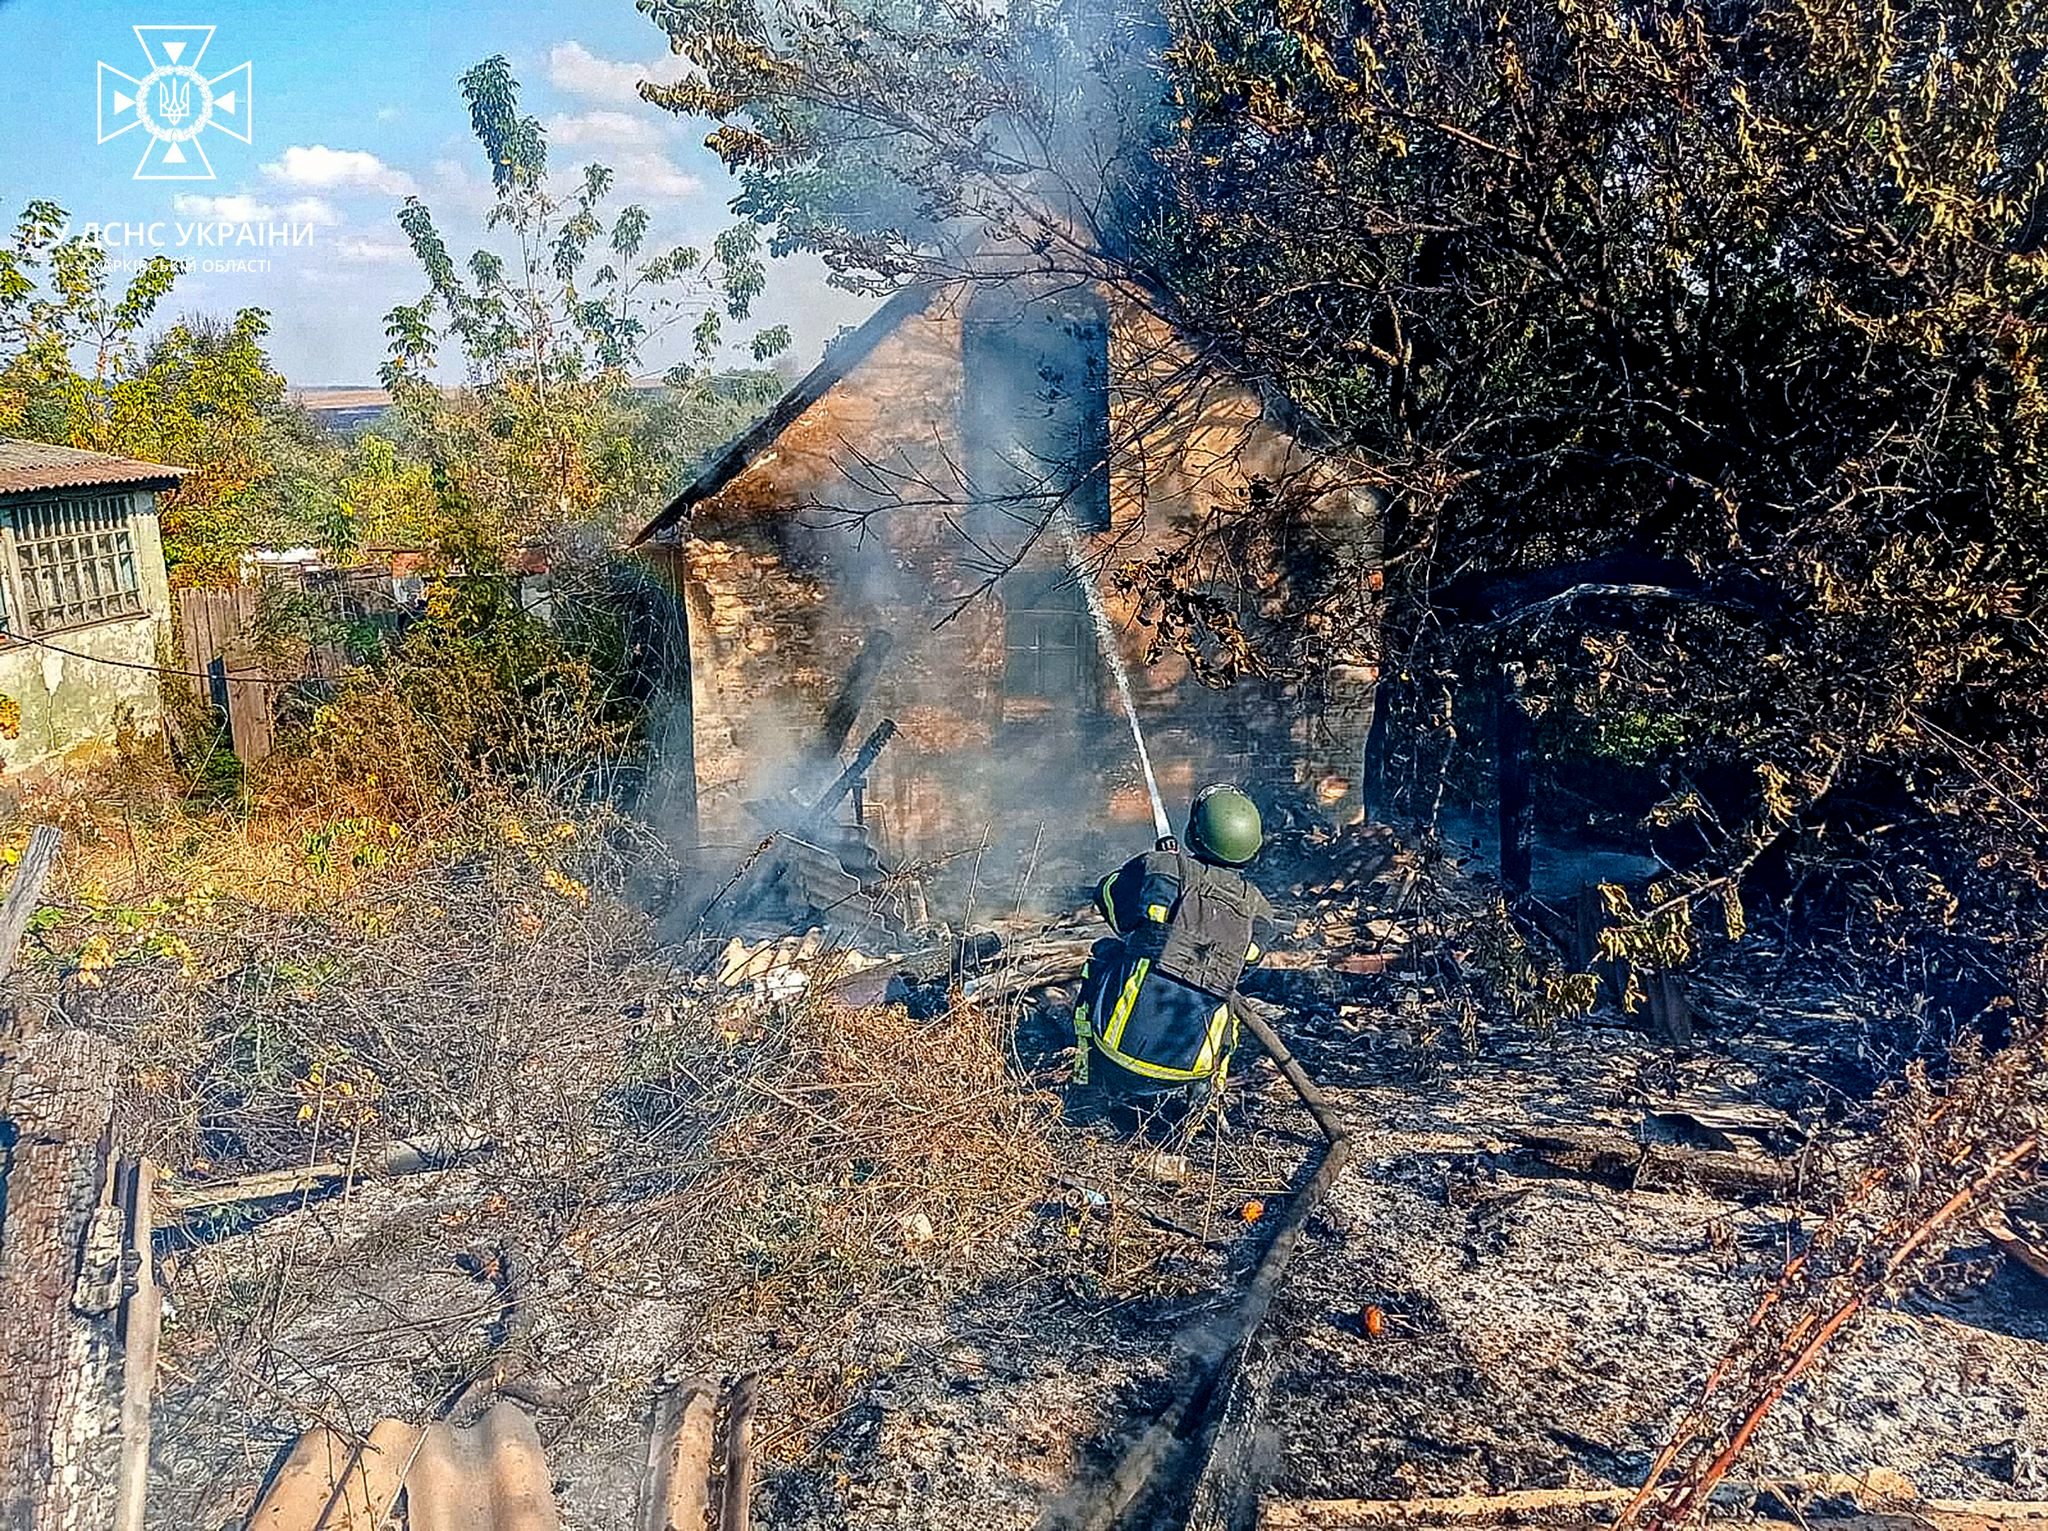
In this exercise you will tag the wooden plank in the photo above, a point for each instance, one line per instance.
(1881, 1498)
(211, 622)
(1620, 1160)
(141, 1324)
(25, 893)
(251, 720)
(406, 1156)
(736, 1496)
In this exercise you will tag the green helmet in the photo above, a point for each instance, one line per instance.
(1223, 826)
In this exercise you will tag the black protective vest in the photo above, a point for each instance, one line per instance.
(1209, 930)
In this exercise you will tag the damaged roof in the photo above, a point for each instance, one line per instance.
(740, 454)
(29, 466)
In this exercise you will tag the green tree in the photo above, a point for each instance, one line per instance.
(549, 331)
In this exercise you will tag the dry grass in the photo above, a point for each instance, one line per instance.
(683, 1177)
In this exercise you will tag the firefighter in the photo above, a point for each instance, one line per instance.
(1153, 1020)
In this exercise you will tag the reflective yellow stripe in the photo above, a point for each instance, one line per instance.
(1126, 1002)
(1212, 1044)
(1251, 953)
(1149, 1070)
(1107, 903)
(1157, 912)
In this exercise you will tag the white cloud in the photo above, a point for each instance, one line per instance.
(359, 251)
(604, 129)
(241, 207)
(575, 69)
(652, 174)
(319, 168)
(390, 113)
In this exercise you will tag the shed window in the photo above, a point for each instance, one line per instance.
(76, 559)
(1048, 645)
(1035, 409)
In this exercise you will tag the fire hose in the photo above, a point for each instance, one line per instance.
(1139, 1465)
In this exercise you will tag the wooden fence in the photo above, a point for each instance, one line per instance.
(223, 670)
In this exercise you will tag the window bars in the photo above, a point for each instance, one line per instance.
(75, 557)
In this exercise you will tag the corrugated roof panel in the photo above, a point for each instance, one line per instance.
(492, 1476)
(27, 466)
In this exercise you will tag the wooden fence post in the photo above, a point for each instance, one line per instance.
(251, 727)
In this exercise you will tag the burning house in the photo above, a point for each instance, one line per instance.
(901, 554)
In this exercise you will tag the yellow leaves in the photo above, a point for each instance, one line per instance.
(338, 1092)
(1773, 782)
(10, 717)
(93, 960)
(567, 887)
(1733, 913)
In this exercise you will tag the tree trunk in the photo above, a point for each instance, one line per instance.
(1517, 800)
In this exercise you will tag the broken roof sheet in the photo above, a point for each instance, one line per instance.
(491, 1476)
(29, 466)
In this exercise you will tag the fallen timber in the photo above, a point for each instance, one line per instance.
(1872, 1501)
(406, 1156)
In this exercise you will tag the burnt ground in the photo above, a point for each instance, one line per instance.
(1540, 1328)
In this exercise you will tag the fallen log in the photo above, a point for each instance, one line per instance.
(1882, 1500)
(1629, 1164)
(407, 1156)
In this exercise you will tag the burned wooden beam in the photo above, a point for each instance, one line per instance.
(406, 1156)
(854, 692)
(1626, 1163)
(60, 1283)
(141, 1325)
(827, 802)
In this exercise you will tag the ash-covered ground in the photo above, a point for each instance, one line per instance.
(1535, 1326)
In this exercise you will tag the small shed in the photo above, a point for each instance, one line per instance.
(85, 601)
(902, 552)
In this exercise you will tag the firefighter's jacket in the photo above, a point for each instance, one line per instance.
(1154, 1002)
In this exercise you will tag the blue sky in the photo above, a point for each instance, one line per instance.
(355, 107)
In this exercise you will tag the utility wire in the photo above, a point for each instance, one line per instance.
(10, 636)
